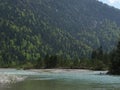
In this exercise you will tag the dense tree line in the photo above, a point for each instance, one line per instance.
(98, 61)
(114, 67)
(64, 32)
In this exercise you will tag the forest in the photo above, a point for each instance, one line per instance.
(58, 34)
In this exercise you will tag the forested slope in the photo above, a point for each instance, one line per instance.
(30, 29)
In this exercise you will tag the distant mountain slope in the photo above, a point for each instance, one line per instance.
(30, 29)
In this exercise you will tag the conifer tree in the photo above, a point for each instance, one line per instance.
(115, 62)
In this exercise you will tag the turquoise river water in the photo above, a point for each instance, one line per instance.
(57, 79)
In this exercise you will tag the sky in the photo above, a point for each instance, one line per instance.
(115, 3)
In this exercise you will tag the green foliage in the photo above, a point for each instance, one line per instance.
(99, 59)
(98, 65)
(40, 63)
(30, 29)
(51, 61)
(115, 61)
(27, 65)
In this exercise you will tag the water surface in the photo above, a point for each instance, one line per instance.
(57, 80)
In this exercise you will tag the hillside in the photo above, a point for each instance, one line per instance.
(70, 28)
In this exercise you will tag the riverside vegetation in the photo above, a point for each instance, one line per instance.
(59, 34)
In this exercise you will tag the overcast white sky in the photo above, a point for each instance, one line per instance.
(115, 3)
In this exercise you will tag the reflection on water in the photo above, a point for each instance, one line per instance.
(66, 81)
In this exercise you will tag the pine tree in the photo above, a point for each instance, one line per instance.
(100, 53)
(115, 62)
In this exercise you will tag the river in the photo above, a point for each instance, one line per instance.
(57, 79)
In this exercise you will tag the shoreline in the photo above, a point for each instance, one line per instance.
(51, 69)
(56, 70)
(59, 70)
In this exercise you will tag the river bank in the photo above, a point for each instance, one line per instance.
(60, 70)
(51, 70)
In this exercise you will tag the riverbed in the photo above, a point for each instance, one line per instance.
(57, 79)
